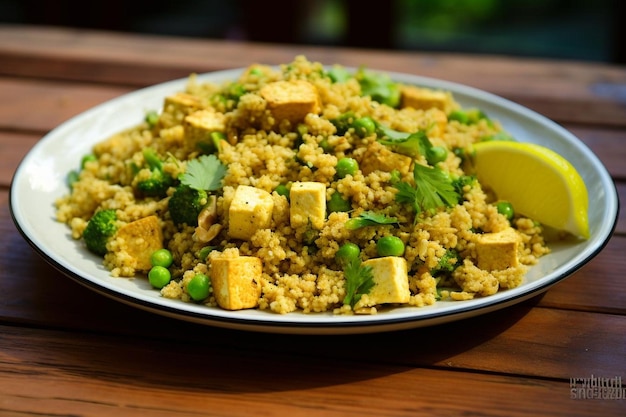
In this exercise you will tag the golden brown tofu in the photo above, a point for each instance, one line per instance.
(139, 239)
(391, 282)
(182, 102)
(307, 204)
(176, 107)
(291, 100)
(497, 251)
(200, 124)
(425, 98)
(236, 281)
(378, 157)
(250, 210)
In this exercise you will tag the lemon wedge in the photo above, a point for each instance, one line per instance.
(537, 181)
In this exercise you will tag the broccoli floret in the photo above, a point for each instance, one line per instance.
(100, 228)
(447, 264)
(159, 181)
(379, 86)
(185, 204)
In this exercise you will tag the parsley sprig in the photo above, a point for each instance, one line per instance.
(359, 281)
(432, 190)
(204, 173)
(370, 218)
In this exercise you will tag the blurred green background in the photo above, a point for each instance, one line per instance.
(561, 29)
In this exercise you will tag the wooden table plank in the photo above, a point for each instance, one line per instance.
(13, 148)
(38, 106)
(225, 382)
(585, 92)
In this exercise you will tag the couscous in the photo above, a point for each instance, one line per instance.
(302, 188)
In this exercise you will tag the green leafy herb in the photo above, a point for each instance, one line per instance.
(359, 281)
(432, 190)
(369, 218)
(204, 173)
(413, 144)
(379, 86)
(339, 74)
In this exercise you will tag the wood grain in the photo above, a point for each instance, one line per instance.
(584, 92)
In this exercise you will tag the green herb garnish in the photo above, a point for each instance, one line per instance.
(432, 190)
(413, 144)
(204, 173)
(369, 218)
(359, 281)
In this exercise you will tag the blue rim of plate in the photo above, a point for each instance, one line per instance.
(30, 182)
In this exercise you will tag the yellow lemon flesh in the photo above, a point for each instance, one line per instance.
(538, 182)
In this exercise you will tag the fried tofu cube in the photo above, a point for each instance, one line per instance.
(291, 100)
(176, 107)
(250, 210)
(497, 251)
(307, 204)
(425, 98)
(139, 239)
(378, 157)
(182, 102)
(236, 281)
(200, 124)
(391, 282)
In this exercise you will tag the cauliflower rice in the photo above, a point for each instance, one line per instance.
(266, 145)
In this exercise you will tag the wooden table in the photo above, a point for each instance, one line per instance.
(65, 350)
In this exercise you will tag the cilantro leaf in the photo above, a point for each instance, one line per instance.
(412, 145)
(359, 281)
(370, 218)
(204, 173)
(433, 189)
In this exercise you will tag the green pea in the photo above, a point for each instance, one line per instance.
(256, 71)
(161, 257)
(87, 158)
(282, 189)
(199, 287)
(338, 203)
(152, 117)
(346, 166)
(159, 276)
(347, 252)
(390, 246)
(506, 209)
(460, 116)
(364, 126)
(436, 154)
(326, 146)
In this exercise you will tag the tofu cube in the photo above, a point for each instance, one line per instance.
(139, 239)
(291, 100)
(391, 282)
(425, 98)
(497, 251)
(199, 125)
(378, 157)
(236, 281)
(176, 107)
(307, 204)
(182, 102)
(250, 210)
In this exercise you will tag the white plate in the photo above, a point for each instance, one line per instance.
(40, 180)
